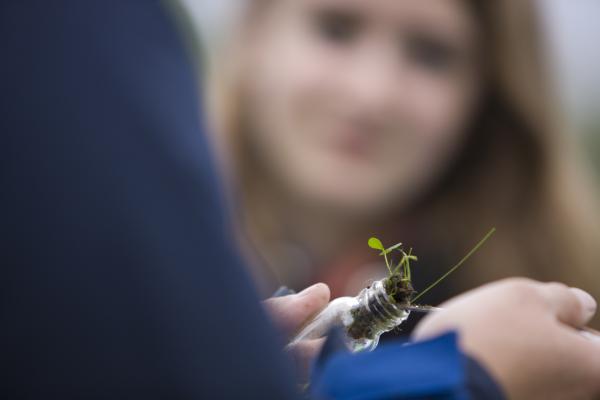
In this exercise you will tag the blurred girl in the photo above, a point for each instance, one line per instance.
(417, 121)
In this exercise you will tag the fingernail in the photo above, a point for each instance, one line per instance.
(590, 334)
(586, 300)
(283, 291)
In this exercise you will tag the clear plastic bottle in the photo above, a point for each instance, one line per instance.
(363, 318)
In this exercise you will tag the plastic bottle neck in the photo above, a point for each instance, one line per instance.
(382, 306)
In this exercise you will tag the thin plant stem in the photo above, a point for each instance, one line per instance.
(400, 265)
(387, 264)
(408, 273)
(461, 262)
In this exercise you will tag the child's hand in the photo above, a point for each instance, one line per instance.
(525, 333)
(291, 312)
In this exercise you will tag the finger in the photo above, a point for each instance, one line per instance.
(590, 334)
(571, 306)
(283, 291)
(303, 354)
(290, 312)
(583, 352)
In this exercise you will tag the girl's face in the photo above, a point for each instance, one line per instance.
(358, 106)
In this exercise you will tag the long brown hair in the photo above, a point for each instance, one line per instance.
(519, 170)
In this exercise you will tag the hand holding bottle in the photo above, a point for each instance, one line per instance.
(525, 333)
(290, 313)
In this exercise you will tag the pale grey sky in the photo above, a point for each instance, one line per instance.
(573, 27)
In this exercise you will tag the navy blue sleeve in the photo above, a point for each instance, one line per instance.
(118, 277)
(480, 384)
(431, 369)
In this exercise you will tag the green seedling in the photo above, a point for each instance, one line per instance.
(397, 286)
(398, 283)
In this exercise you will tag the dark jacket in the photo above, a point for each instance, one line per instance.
(119, 278)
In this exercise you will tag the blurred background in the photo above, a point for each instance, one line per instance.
(572, 31)
(573, 36)
(426, 123)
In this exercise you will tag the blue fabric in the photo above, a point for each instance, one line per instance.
(480, 384)
(433, 369)
(119, 278)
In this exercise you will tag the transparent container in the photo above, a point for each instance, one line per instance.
(364, 318)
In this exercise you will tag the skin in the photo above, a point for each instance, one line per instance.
(523, 331)
(290, 313)
(356, 107)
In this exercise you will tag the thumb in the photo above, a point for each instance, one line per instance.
(303, 354)
(290, 312)
(572, 306)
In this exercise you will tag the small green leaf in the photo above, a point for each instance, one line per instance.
(376, 244)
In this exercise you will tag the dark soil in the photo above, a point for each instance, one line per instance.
(364, 324)
(400, 290)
